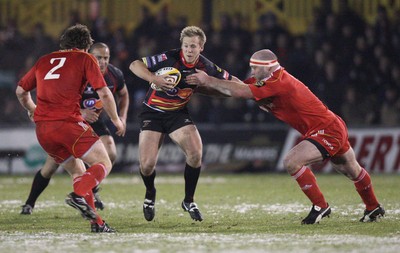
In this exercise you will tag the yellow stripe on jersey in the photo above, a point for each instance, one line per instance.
(168, 103)
(145, 61)
(168, 108)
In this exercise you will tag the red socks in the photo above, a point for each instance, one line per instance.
(83, 186)
(308, 184)
(90, 200)
(92, 177)
(364, 187)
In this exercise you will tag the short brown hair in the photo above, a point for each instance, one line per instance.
(191, 31)
(77, 36)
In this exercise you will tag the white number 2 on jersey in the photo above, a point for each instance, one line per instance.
(50, 74)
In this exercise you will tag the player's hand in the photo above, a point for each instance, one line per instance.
(30, 115)
(123, 120)
(163, 82)
(199, 78)
(90, 116)
(121, 127)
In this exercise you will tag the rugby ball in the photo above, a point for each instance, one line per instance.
(173, 75)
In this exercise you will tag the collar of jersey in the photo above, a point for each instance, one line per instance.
(188, 64)
(71, 49)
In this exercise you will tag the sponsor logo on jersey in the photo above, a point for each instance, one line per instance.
(83, 125)
(226, 75)
(153, 60)
(92, 104)
(259, 83)
(88, 89)
(171, 92)
(185, 93)
(162, 57)
(89, 103)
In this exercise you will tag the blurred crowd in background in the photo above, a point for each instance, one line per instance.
(351, 65)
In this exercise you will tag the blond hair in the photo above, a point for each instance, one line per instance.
(191, 31)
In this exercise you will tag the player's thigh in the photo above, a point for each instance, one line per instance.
(75, 167)
(304, 153)
(109, 144)
(97, 154)
(49, 167)
(188, 138)
(149, 145)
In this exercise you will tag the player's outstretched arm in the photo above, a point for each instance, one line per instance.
(231, 88)
(111, 109)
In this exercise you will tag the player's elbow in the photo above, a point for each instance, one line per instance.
(20, 92)
(104, 93)
(133, 65)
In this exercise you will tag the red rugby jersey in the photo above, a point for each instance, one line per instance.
(60, 78)
(289, 100)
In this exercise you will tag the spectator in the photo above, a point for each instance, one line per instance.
(389, 112)
(363, 53)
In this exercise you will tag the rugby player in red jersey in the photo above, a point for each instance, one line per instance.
(59, 79)
(91, 109)
(165, 112)
(324, 133)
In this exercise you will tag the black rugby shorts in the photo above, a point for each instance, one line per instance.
(164, 122)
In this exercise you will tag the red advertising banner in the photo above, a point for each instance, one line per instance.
(376, 149)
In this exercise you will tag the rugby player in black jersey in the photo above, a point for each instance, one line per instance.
(165, 112)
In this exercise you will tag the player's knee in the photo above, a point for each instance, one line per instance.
(290, 165)
(146, 171)
(47, 174)
(147, 166)
(194, 158)
(107, 163)
(113, 157)
(349, 171)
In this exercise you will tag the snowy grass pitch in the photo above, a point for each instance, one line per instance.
(242, 213)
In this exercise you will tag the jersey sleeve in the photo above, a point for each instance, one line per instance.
(120, 79)
(93, 73)
(215, 71)
(260, 92)
(267, 88)
(153, 61)
(28, 81)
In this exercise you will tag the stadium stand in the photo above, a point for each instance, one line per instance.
(346, 51)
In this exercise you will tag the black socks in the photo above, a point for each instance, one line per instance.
(38, 185)
(191, 177)
(149, 183)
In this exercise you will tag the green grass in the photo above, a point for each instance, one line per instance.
(242, 213)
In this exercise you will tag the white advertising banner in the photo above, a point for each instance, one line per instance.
(376, 149)
(20, 151)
